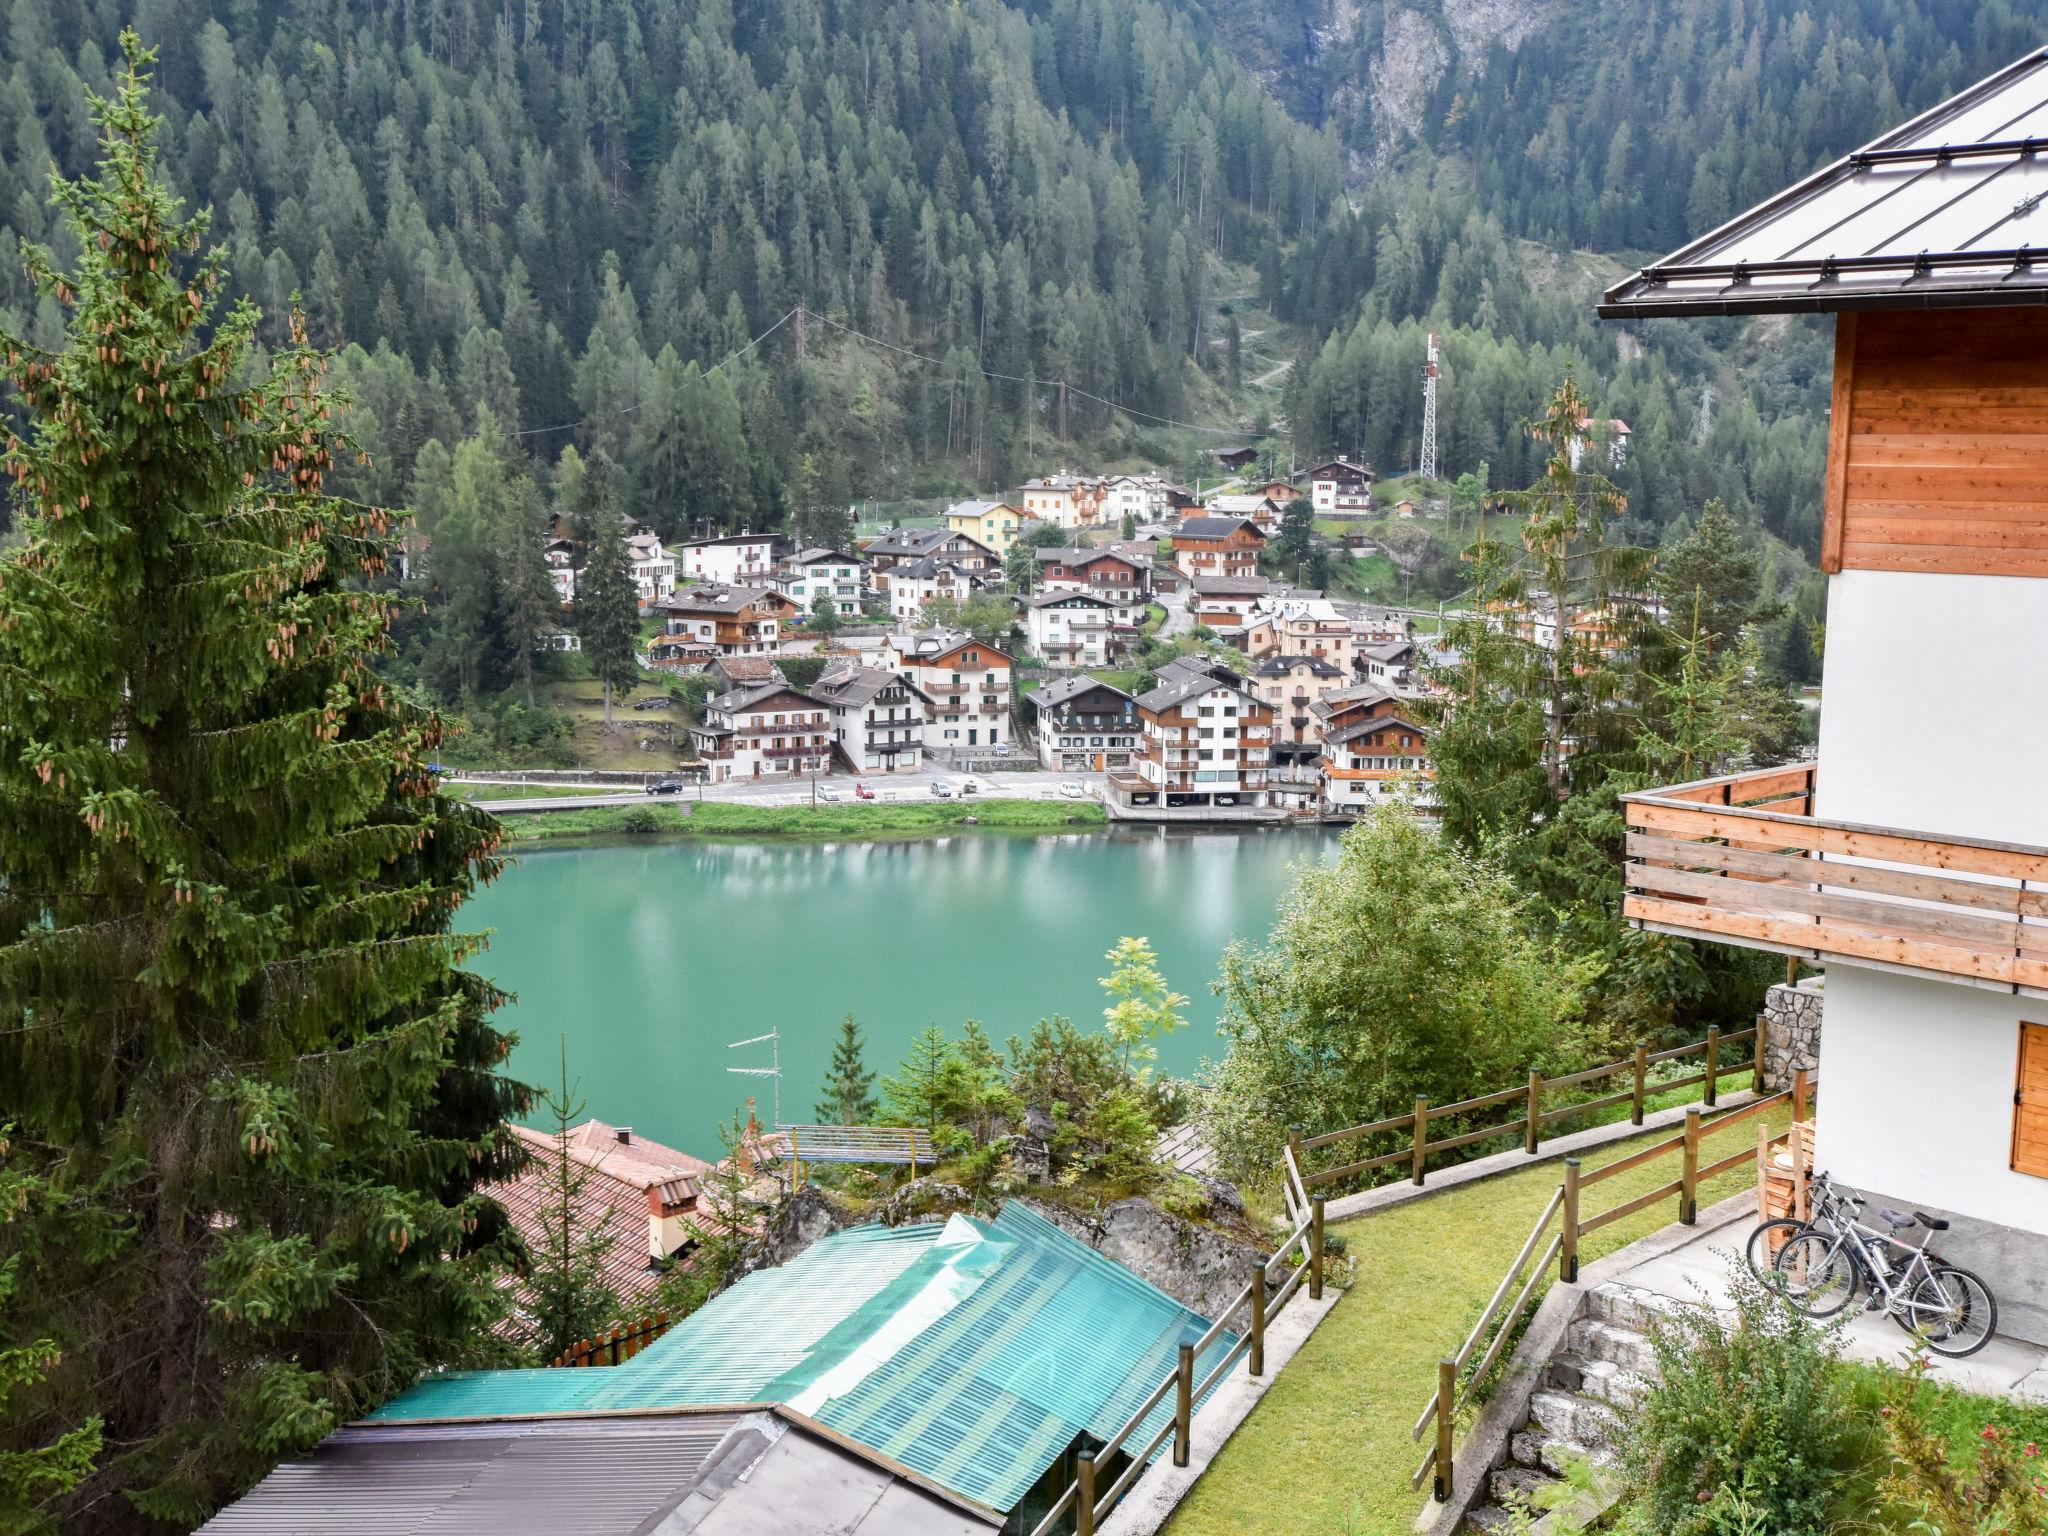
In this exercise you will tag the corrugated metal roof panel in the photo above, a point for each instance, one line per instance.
(567, 1477)
(1946, 210)
(973, 1353)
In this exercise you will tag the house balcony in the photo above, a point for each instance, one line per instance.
(1742, 860)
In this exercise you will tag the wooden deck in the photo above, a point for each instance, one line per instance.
(1742, 860)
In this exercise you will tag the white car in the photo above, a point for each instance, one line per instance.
(1074, 789)
(942, 789)
(826, 792)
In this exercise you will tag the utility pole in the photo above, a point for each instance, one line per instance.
(800, 336)
(1428, 465)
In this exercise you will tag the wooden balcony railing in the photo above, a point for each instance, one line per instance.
(1742, 860)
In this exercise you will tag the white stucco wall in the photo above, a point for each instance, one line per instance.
(1916, 1085)
(1934, 705)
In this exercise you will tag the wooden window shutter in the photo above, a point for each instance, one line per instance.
(2030, 1101)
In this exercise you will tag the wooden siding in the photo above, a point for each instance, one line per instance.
(1938, 443)
(2030, 1103)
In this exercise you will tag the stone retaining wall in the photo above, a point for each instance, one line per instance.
(1791, 1026)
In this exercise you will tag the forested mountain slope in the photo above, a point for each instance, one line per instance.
(557, 207)
(567, 211)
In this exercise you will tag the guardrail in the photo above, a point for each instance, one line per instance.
(1534, 1121)
(616, 1347)
(1455, 1383)
(1741, 860)
(1086, 1498)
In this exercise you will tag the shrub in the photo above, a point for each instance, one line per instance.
(1750, 1427)
(2005, 1491)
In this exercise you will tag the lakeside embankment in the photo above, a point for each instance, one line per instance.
(726, 819)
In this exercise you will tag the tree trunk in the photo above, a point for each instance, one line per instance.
(607, 703)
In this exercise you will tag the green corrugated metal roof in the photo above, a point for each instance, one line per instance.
(973, 1352)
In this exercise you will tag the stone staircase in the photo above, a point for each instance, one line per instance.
(1602, 1366)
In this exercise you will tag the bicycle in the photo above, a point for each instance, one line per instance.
(1945, 1307)
(1829, 1206)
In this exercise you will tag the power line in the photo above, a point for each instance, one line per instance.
(723, 362)
(1236, 433)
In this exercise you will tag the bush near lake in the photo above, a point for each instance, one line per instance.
(1404, 968)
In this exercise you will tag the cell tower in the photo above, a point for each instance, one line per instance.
(1428, 465)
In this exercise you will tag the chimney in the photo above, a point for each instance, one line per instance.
(624, 1133)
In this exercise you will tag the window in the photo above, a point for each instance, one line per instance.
(1205, 757)
(2030, 1103)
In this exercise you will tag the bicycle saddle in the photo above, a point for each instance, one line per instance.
(1931, 1223)
(1892, 1218)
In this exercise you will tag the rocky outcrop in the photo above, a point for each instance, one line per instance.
(1412, 58)
(813, 1213)
(1477, 24)
(1200, 1264)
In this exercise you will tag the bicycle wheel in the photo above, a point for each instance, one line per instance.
(1952, 1312)
(1767, 1239)
(1816, 1274)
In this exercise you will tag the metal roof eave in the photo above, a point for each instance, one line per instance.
(1810, 303)
(1614, 306)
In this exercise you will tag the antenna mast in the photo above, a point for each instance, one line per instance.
(774, 1039)
(1428, 464)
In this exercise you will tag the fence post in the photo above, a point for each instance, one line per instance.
(1689, 1180)
(1294, 1146)
(1756, 1065)
(1713, 1061)
(1446, 1405)
(1642, 1066)
(1535, 1126)
(1800, 1095)
(1315, 1249)
(1421, 1136)
(1568, 1245)
(1084, 1494)
(1184, 1404)
(1257, 1367)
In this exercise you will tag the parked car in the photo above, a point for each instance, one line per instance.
(657, 701)
(1002, 749)
(862, 792)
(827, 792)
(665, 787)
(970, 786)
(1074, 789)
(942, 789)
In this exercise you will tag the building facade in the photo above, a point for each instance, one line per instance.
(1207, 742)
(1340, 488)
(1069, 629)
(738, 559)
(834, 574)
(878, 717)
(1218, 546)
(727, 621)
(994, 523)
(967, 682)
(1085, 725)
(1910, 876)
(765, 730)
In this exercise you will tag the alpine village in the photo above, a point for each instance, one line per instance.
(1047, 767)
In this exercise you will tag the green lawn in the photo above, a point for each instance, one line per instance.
(666, 818)
(483, 792)
(1327, 1452)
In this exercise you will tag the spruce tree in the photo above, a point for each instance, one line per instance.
(608, 606)
(571, 1300)
(849, 1085)
(245, 1064)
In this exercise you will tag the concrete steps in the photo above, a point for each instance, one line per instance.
(1603, 1367)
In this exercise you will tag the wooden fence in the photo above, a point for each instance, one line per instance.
(616, 1347)
(1499, 1320)
(1533, 1121)
(1087, 1498)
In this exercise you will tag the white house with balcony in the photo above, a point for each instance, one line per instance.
(1911, 863)
(1069, 629)
(737, 559)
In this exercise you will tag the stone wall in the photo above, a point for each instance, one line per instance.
(1791, 1026)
